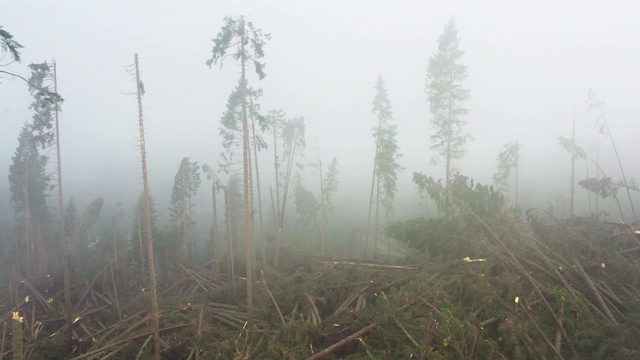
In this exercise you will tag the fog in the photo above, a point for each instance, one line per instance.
(529, 63)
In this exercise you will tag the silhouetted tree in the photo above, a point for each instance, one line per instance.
(246, 43)
(185, 185)
(386, 166)
(291, 133)
(328, 186)
(215, 226)
(507, 161)
(29, 184)
(447, 97)
(231, 132)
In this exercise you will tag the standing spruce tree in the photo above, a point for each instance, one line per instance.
(28, 184)
(292, 135)
(246, 44)
(447, 97)
(386, 166)
(328, 186)
(185, 185)
(507, 161)
(315, 211)
(231, 132)
(215, 227)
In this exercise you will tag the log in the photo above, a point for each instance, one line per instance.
(594, 292)
(342, 342)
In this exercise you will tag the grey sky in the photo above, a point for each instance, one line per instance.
(528, 63)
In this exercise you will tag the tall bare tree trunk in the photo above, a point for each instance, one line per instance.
(190, 244)
(373, 184)
(147, 206)
(517, 156)
(216, 232)
(263, 247)
(140, 240)
(277, 214)
(377, 221)
(573, 163)
(624, 177)
(323, 231)
(28, 228)
(230, 252)
(62, 237)
(247, 195)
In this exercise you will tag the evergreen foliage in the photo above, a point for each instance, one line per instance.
(9, 45)
(29, 184)
(185, 185)
(387, 150)
(245, 41)
(450, 236)
(447, 97)
(231, 126)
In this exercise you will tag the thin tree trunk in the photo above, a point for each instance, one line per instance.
(247, 195)
(573, 163)
(624, 177)
(190, 245)
(516, 168)
(230, 255)
(377, 219)
(140, 243)
(276, 213)
(183, 247)
(323, 232)
(147, 205)
(373, 182)
(263, 248)
(165, 256)
(387, 222)
(28, 228)
(287, 180)
(216, 233)
(62, 237)
(597, 173)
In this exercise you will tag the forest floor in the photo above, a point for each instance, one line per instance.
(549, 290)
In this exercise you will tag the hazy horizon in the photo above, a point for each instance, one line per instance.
(529, 64)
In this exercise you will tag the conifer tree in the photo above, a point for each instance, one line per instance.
(186, 183)
(507, 161)
(447, 97)
(386, 166)
(246, 44)
(291, 133)
(28, 184)
(328, 186)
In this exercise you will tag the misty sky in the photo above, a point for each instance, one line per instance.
(528, 62)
